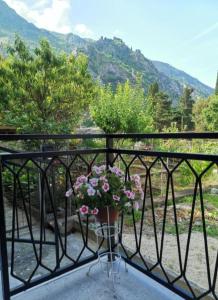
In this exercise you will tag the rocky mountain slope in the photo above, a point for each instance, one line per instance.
(110, 60)
(200, 88)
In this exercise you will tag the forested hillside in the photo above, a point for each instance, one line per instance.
(110, 60)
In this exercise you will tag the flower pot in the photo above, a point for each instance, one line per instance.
(107, 212)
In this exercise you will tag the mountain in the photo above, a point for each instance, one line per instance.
(200, 89)
(11, 24)
(110, 60)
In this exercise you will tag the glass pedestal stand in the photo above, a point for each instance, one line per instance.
(110, 260)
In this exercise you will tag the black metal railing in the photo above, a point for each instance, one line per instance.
(158, 241)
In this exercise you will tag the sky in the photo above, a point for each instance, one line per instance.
(183, 33)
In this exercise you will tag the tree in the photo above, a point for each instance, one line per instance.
(43, 92)
(216, 87)
(4, 96)
(153, 89)
(210, 114)
(104, 110)
(122, 110)
(163, 111)
(185, 105)
(159, 107)
(205, 114)
(198, 114)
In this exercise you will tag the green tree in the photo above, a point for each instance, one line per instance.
(198, 114)
(43, 92)
(4, 95)
(163, 111)
(153, 89)
(216, 87)
(210, 114)
(120, 111)
(104, 110)
(159, 107)
(185, 105)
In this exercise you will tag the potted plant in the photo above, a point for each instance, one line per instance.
(104, 193)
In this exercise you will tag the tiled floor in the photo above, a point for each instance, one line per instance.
(77, 285)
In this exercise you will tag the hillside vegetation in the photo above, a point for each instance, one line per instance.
(110, 60)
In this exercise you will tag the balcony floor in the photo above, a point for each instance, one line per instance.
(132, 285)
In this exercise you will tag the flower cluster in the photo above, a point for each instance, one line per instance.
(104, 187)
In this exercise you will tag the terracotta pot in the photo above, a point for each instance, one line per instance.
(102, 216)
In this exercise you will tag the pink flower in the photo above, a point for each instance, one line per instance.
(103, 178)
(69, 193)
(116, 171)
(128, 193)
(105, 187)
(91, 191)
(77, 186)
(135, 178)
(132, 195)
(97, 170)
(116, 198)
(137, 181)
(94, 181)
(138, 185)
(102, 168)
(136, 205)
(81, 179)
(84, 210)
(94, 211)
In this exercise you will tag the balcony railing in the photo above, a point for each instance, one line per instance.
(172, 240)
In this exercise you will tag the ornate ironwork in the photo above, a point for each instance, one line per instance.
(34, 184)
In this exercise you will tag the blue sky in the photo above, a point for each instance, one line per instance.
(183, 33)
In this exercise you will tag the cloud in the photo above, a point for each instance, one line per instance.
(206, 31)
(52, 15)
(83, 30)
